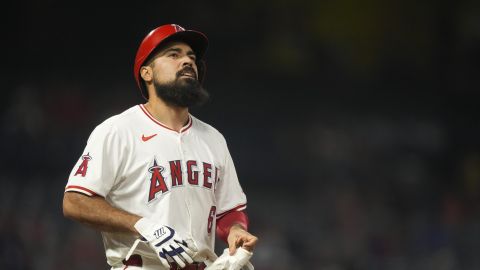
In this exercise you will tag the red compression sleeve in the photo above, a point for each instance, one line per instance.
(225, 222)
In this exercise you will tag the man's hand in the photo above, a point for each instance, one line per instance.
(166, 243)
(239, 237)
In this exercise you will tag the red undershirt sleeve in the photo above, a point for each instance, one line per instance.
(226, 221)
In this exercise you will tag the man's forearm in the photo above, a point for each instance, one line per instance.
(97, 213)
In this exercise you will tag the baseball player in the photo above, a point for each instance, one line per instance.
(157, 176)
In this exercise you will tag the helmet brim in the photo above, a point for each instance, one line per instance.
(196, 40)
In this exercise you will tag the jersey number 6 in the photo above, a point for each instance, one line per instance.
(211, 216)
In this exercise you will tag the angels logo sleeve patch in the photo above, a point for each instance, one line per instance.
(95, 171)
(82, 169)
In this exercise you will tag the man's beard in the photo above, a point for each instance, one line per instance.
(182, 92)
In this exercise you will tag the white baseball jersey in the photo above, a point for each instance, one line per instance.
(181, 179)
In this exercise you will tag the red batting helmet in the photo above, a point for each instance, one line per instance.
(197, 41)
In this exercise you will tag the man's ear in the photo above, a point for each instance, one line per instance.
(146, 73)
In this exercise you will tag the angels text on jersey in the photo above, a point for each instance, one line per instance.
(195, 173)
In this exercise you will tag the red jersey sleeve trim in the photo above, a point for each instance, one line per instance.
(237, 208)
(227, 220)
(80, 189)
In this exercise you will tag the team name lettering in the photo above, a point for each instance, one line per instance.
(192, 175)
(176, 171)
(157, 182)
(200, 174)
(207, 173)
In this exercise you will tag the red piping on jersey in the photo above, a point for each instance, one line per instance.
(237, 208)
(82, 188)
(189, 124)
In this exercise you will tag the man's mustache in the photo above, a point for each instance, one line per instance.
(185, 70)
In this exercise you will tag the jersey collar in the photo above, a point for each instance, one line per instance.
(147, 113)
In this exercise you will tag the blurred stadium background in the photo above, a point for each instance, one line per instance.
(354, 125)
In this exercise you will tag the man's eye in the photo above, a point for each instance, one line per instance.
(174, 55)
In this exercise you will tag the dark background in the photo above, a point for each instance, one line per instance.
(354, 125)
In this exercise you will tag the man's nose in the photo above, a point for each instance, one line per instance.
(187, 61)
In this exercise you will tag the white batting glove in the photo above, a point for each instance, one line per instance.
(166, 243)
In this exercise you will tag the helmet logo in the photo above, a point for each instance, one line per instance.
(178, 28)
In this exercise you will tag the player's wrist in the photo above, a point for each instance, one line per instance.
(237, 226)
(144, 227)
(133, 222)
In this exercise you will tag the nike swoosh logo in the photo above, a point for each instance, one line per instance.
(146, 138)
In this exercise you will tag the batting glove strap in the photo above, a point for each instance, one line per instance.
(172, 252)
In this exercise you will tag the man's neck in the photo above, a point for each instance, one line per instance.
(171, 116)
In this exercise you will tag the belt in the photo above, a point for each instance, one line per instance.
(136, 260)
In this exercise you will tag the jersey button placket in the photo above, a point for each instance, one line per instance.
(180, 146)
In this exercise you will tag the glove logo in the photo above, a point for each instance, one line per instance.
(166, 238)
(159, 233)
